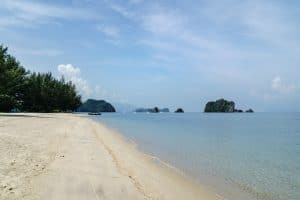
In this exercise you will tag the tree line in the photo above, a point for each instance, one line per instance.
(33, 92)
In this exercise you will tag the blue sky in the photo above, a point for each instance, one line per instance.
(165, 53)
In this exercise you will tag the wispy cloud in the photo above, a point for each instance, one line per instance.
(280, 87)
(264, 21)
(218, 44)
(30, 14)
(242, 32)
(109, 31)
(122, 11)
(163, 22)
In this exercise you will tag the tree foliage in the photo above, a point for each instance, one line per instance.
(12, 81)
(34, 92)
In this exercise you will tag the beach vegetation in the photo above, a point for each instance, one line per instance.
(33, 92)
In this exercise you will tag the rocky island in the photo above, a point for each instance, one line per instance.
(152, 110)
(223, 106)
(179, 110)
(94, 106)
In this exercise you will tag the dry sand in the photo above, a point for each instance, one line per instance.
(67, 156)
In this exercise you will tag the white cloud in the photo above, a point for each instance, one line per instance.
(68, 70)
(109, 31)
(72, 73)
(278, 90)
(33, 9)
(280, 87)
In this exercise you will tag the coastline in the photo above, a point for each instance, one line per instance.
(63, 156)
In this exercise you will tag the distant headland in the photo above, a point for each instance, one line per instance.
(223, 106)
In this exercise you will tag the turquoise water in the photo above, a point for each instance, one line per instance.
(238, 155)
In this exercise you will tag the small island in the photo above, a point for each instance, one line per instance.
(152, 110)
(223, 106)
(96, 106)
(179, 110)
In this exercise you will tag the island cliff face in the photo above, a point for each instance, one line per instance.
(223, 106)
(92, 105)
(220, 105)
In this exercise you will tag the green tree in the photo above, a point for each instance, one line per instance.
(12, 81)
(44, 93)
(35, 92)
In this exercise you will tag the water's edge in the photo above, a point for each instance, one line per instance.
(240, 156)
(165, 164)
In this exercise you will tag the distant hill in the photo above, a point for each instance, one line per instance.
(92, 105)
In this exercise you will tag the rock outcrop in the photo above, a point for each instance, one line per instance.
(220, 105)
(223, 106)
(152, 110)
(249, 111)
(179, 110)
(238, 110)
(94, 106)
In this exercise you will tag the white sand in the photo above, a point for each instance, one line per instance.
(65, 156)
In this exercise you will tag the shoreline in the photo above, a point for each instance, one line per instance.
(65, 156)
(153, 159)
(160, 166)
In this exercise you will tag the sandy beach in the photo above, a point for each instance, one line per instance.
(67, 156)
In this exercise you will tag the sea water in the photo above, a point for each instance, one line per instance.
(238, 155)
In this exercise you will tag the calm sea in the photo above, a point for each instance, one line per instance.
(238, 155)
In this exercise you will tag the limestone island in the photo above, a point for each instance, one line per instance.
(223, 106)
(179, 110)
(96, 106)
